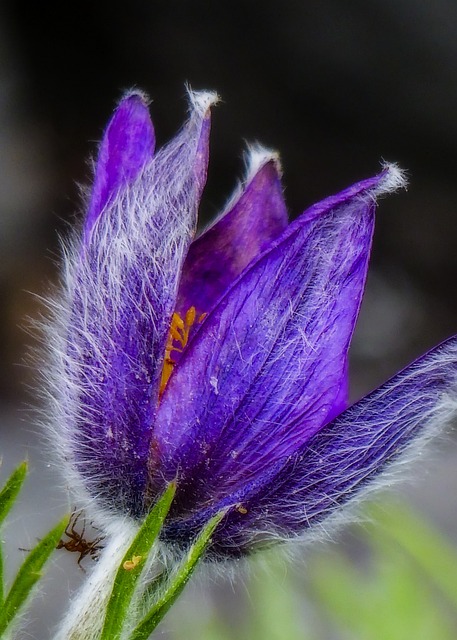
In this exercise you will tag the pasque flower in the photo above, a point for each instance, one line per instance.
(220, 360)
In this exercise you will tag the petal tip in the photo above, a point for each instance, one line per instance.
(135, 96)
(202, 101)
(257, 156)
(391, 179)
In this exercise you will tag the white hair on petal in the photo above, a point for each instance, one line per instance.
(426, 417)
(421, 413)
(257, 156)
(136, 92)
(85, 617)
(151, 219)
(394, 180)
(201, 101)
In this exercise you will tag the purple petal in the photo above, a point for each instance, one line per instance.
(121, 294)
(254, 218)
(127, 145)
(267, 369)
(347, 459)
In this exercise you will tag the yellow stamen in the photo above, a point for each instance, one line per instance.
(174, 333)
(177, 321)
(190, 316)
(179, 333)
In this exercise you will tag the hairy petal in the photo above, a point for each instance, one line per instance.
(255, 216)
(121, 293)
(263, 373)
(345, 461)
(127, 146)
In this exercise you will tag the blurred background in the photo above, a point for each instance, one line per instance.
(334, 86)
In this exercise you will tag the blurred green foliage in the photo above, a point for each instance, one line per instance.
(395, 578)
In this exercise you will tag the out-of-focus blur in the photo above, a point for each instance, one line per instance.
(334, 87)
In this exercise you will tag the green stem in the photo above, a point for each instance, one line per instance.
(132, 567)
(178, 582)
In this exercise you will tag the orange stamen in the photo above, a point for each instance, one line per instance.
(179, 333)
(191, 314)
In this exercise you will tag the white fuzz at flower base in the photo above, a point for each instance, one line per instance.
(84, 620)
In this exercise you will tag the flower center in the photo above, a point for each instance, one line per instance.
(177, 340)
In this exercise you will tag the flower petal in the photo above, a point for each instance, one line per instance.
(121, 293)
(254, 217)
(127, 145)
(264, 371)
(302, 496)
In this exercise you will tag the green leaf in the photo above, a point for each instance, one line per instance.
(132, 566)
(178, 582)
(7, 497)
(29, 574)
(12, 487)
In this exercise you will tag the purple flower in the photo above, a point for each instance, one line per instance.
(221, 361)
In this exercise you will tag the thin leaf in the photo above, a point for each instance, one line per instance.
(179, 581)
(132, 566)
(1, 575)
(29, 574)
(7, 497)
(12, 487)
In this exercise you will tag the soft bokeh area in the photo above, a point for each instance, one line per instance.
(335, 88)
(394, 578)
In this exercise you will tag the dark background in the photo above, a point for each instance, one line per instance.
(334, 86)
